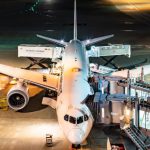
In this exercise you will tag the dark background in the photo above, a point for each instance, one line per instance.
(21, 20)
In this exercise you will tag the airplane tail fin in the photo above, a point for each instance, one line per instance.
(95, 40)
(75, 20)
(86, 42)
(58, 42)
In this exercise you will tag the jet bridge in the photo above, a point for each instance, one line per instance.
(110, 50)
(37, 54)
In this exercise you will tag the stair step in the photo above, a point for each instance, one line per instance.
(136, 137)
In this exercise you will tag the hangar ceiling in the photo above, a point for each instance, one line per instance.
(129, 20)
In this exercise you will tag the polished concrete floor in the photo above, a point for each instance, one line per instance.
(27, 129)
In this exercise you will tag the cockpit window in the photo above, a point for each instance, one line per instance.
(72, 120)
(79, 120)
(86, 117)
(66, 117)
(75, 120)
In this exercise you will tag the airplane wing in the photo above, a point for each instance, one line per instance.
(36, 78)
(58, 42)
(96, 40)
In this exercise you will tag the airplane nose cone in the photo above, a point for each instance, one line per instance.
(76, 136)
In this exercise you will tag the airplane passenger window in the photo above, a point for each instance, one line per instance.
(72, 120)
(66, 117)
(86, 117)
(79, 120)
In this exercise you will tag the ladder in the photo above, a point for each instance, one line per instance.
(137, 137)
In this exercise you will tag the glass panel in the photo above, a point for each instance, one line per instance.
(144, 119)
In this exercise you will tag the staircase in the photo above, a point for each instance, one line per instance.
(137, 137)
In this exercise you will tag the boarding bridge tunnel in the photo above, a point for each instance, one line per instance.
(39, 54)
(117, 113)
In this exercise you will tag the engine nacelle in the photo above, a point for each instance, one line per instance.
(18, 96)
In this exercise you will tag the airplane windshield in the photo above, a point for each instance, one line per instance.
(86, 117)
(66, 117)
(79, 120)
(75, 120)
(72, 120)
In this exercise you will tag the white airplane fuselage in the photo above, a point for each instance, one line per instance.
(74, 116)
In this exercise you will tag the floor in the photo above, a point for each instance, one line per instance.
(27, 129)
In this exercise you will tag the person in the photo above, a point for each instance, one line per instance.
(102, 87)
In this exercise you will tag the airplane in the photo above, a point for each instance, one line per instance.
(72, 86)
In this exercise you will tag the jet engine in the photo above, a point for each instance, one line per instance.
(18, 96)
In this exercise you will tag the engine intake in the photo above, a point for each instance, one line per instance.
(18, 96)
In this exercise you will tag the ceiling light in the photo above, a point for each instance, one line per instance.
(87, 41)
(128, 22)
(50, 30)
(131, 5)
(62, 41)
(128, 30)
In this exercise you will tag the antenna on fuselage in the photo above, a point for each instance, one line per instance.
(75, 20)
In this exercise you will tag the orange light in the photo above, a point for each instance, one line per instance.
(129, 1)
(131, 5)
(76, 70)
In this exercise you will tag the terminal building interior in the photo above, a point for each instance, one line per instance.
(118, 80)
